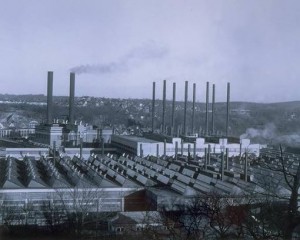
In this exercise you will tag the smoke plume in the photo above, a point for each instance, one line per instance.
(290, 140)
(270, 134)
(134, 58)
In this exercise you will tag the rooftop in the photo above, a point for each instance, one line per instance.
(136, 139)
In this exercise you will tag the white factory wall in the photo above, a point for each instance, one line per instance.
(235, 149)
(106, 135)
(55, 135)
(150, 148)
(46, 134)
(20, 153)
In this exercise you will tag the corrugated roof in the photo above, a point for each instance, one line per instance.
(137, 139)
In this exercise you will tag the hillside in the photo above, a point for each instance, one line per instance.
(265, 123)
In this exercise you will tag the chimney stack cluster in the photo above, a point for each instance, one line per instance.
(50, 98)
(184, 129)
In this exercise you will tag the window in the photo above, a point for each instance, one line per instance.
(120, 229)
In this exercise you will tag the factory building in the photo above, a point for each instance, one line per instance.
(70, 134)
(12, 132)
(111, 183)
(171, 146)
(149, 173)
(35, 182)
(73, 134)
(132, 144)
(49, 134)
(67, 133)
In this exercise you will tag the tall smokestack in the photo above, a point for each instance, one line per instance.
(176, 150)
(80, 148)
(222, 166)
(49, 97)
(205, 158)
(246, 167)
(240, 157)
(54, 153)
(185, 107)
(208, 152)
(195, 149)
(102, 146)
(213, 109)
(141, 150)
(153, 106)
(72, 98)
(228, 109)
(173, 109)
(194, 100)
(227, 158)
(164, 108)
(207, 102)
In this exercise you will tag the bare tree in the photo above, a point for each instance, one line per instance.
(75, 210)
(225, 215)
(78, 203)
(193, 219)
(209, 216)
(263, 221)
(287, 170)
(172, 220)
(54, 216)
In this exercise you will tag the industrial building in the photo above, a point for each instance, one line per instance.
(137, 173)
(110, 183)
(67, 133)
(171, 146)
(20, 132)
(70, 133)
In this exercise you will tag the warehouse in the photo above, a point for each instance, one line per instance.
(170, 146)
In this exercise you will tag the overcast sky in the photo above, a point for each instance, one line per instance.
(119, 47)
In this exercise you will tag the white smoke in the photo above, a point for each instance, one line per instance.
(268, 132)
(134, 58)
(292, 139)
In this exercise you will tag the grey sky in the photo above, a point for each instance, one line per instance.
(120, 47)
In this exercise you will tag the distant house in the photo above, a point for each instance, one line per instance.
(133, 223)
(33, 124)
(11, 124)
(121, 224)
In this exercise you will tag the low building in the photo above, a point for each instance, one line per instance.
(132, 144)
(136, 223)
(49, 134)
(170, 146)
(16, 132)
(124, 183)
(69, 135)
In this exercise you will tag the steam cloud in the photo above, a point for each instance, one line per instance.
(292, 139)
(270, 134)
(132, 59)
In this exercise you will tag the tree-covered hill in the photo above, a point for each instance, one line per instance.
(262, 122)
